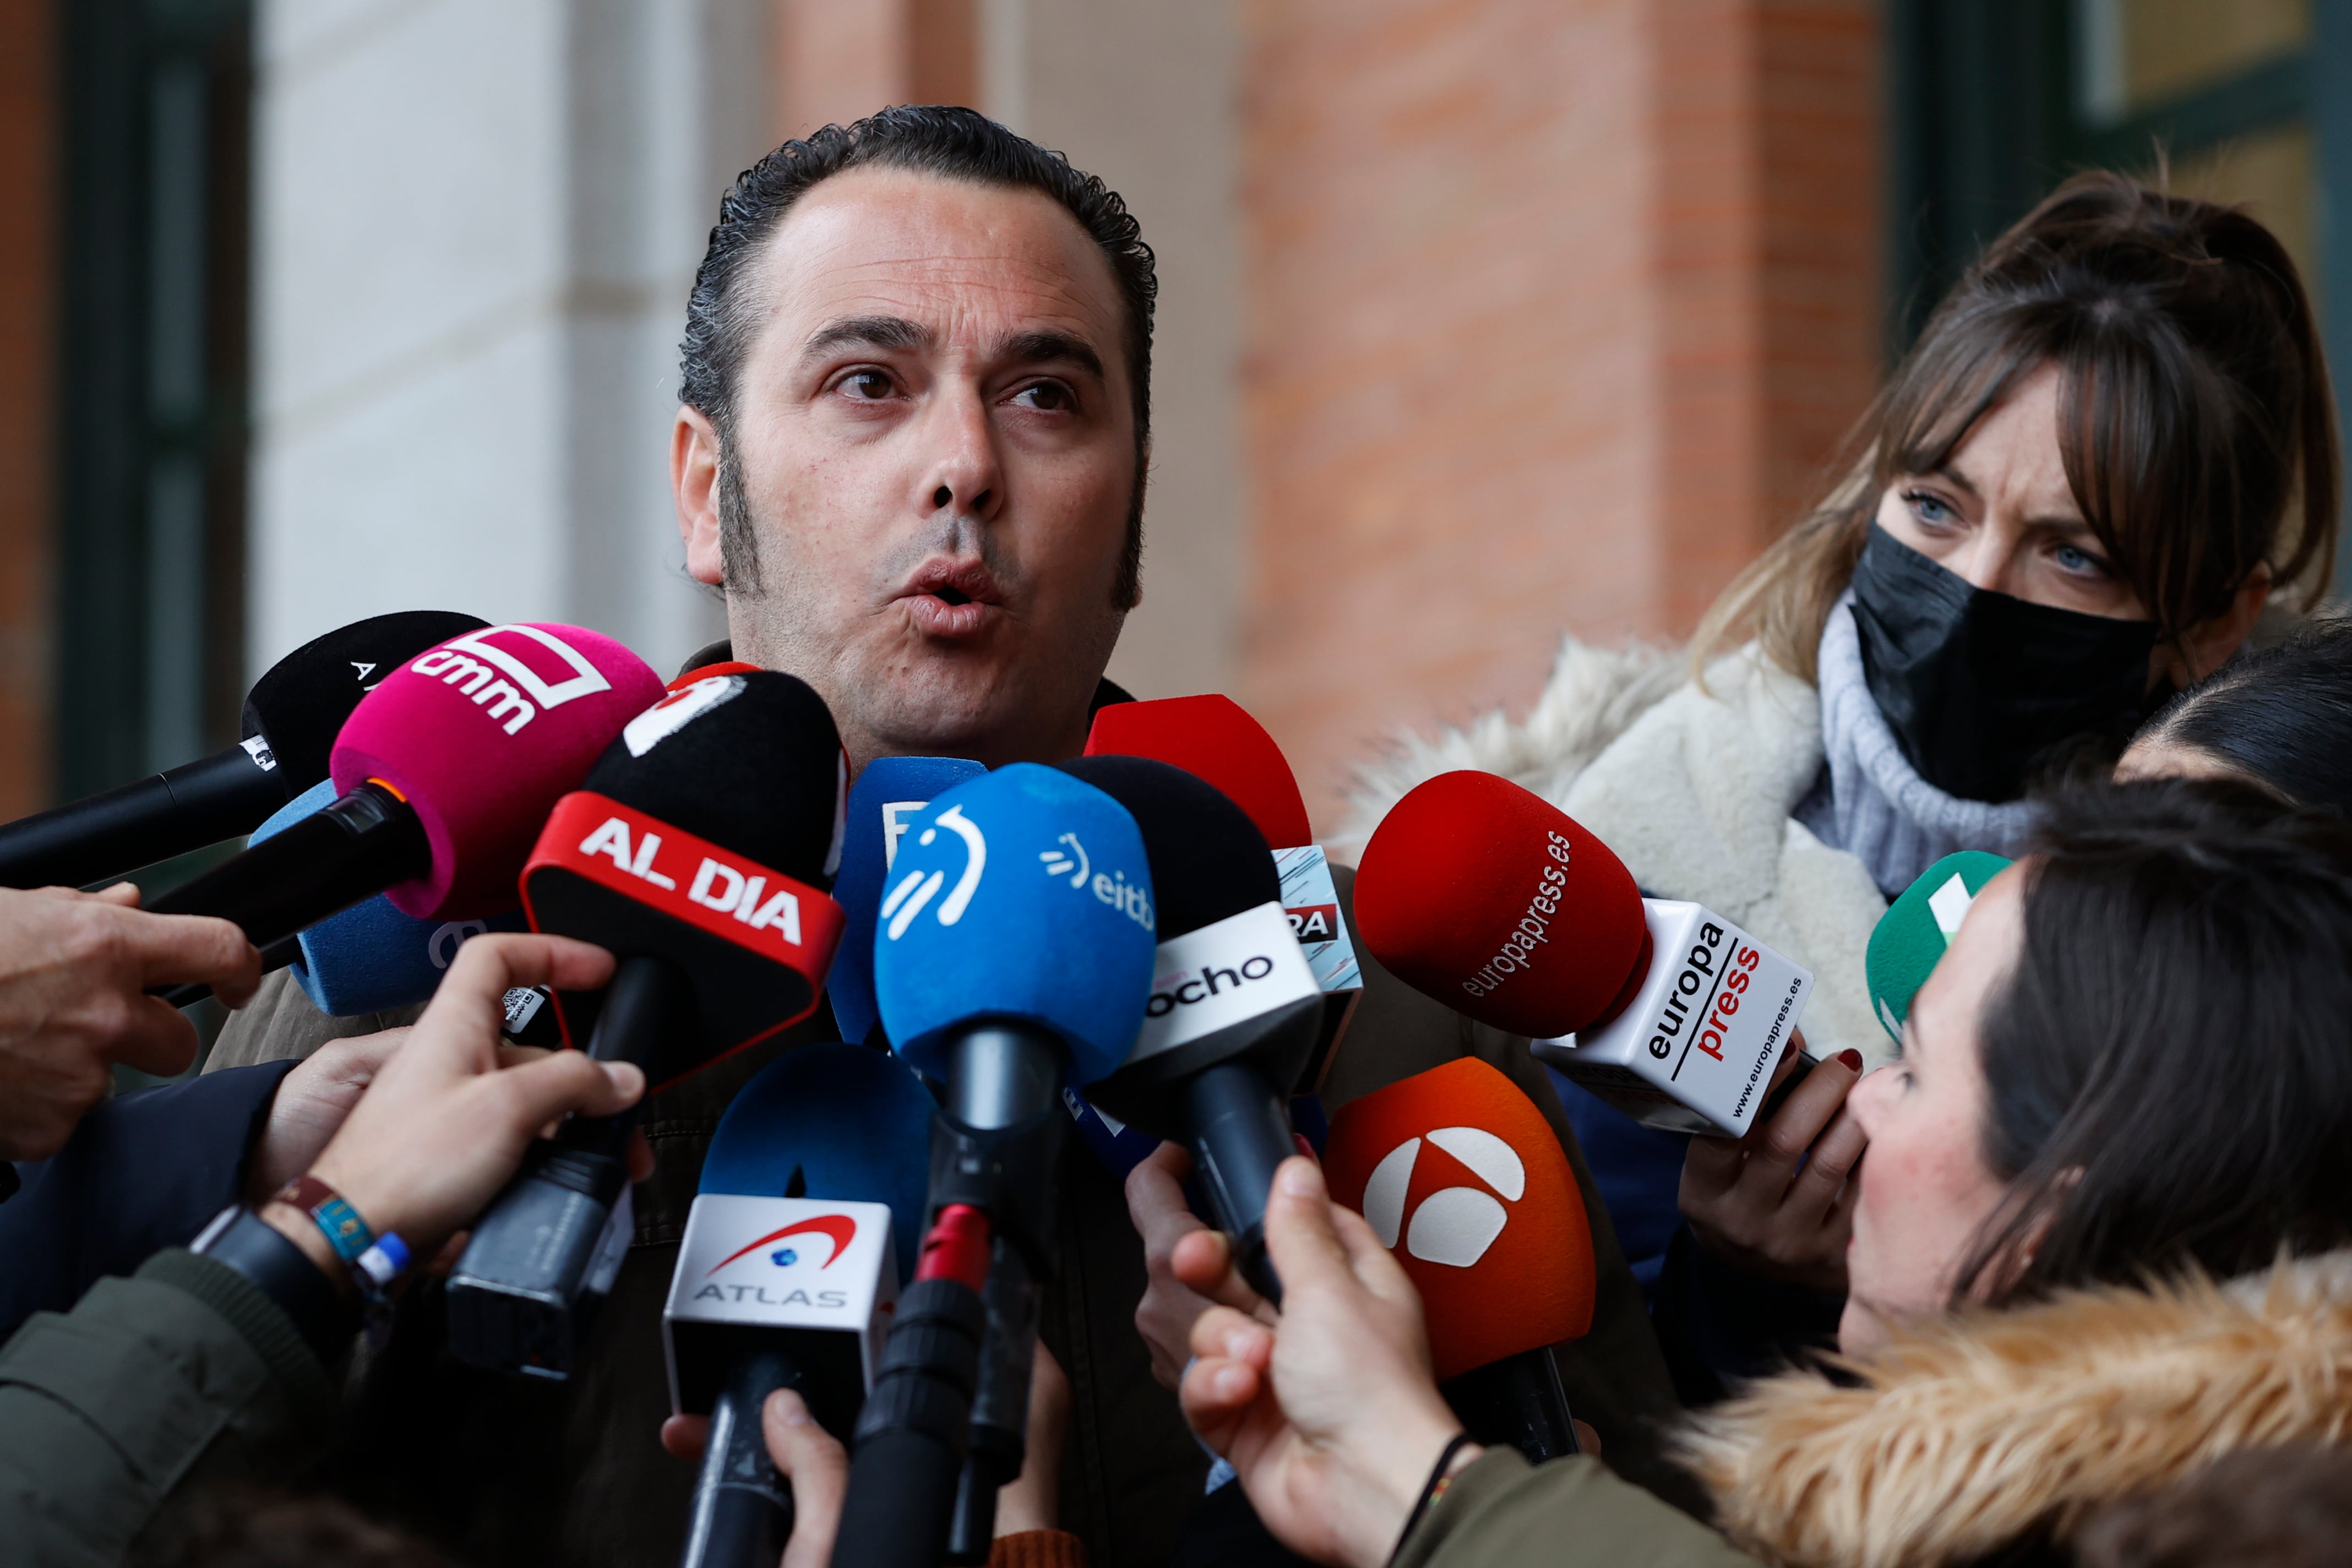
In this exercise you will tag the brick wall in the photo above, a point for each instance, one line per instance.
(28, 304)
(1556, 309)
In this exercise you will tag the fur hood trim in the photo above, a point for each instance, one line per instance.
(1593, 697)
(1967, 1437)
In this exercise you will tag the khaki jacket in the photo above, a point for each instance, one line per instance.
(1996, 1433)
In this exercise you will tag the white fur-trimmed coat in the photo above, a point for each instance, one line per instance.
(1692, 785)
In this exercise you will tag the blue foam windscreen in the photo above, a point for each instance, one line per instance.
(831, 1121)
(371, 957)
(1022, 893)
(884, 799)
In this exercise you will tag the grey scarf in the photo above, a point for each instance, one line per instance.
(1869, 802)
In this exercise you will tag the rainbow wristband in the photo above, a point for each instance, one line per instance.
(375, 1261)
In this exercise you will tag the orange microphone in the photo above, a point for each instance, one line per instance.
(1461, 1178)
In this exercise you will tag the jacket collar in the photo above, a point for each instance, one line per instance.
(1963, 1438)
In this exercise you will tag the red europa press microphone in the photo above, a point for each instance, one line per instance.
(1215, 739)
(1461, 1177)
(444, 770)
(1487, 897)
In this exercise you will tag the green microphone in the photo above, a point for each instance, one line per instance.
(1917, 927)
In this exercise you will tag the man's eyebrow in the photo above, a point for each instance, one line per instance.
(894, 333)
(1044, 347)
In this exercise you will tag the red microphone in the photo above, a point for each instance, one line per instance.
(1212, 738)
(1461, 1177)
(1487, 897)
(1215, 739)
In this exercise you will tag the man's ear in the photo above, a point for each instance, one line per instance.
(2207, 646)
(693, 484)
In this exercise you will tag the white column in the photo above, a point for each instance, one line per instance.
(477, 222)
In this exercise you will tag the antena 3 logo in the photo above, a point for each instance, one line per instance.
(1454, 1225)
(500, 683)
(1067, 860)
(1460, 1175)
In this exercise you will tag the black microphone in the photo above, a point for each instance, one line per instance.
(696, 852)
(1235, 1013)
(448, 768)
(291, 717)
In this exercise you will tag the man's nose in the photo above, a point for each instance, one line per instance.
(963, 477)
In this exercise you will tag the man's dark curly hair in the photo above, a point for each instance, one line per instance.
(954, 144)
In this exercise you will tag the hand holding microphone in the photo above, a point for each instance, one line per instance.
(1330, 1414)
(75, 969)
(696, 851)
(447, 1121)
(1774, 1202)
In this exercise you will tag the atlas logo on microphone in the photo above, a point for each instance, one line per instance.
(1454, 1225)
(758, 1285)
(502, 683)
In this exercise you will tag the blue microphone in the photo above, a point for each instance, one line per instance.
(371, 958)
(811, 1200)
(888, 797)
(1012, 950)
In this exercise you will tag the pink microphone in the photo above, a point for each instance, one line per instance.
(447, 769)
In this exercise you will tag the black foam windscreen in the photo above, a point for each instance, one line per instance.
(1208, 859)
(300, 704)
(750, 760)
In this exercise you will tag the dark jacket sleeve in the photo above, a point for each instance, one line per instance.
(1503, 1512)
(184, 1372)
(140, 1174)
(1720, 1327)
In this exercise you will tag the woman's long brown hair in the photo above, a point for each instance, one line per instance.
(2195, 416)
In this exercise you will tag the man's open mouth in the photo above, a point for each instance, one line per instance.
(949, 598)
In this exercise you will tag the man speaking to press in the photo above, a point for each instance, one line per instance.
(912, 452)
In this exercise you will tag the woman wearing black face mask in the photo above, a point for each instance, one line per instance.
(2112, 446)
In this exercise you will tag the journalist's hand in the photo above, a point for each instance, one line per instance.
(1331, 1416)
(813, 1460)
(1776, 1203)
(445, 1121)
(310, 1105)
(1032, 1501)
(74, 972)
(1155, 1203)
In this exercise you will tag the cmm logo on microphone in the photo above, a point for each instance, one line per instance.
(502, 682)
